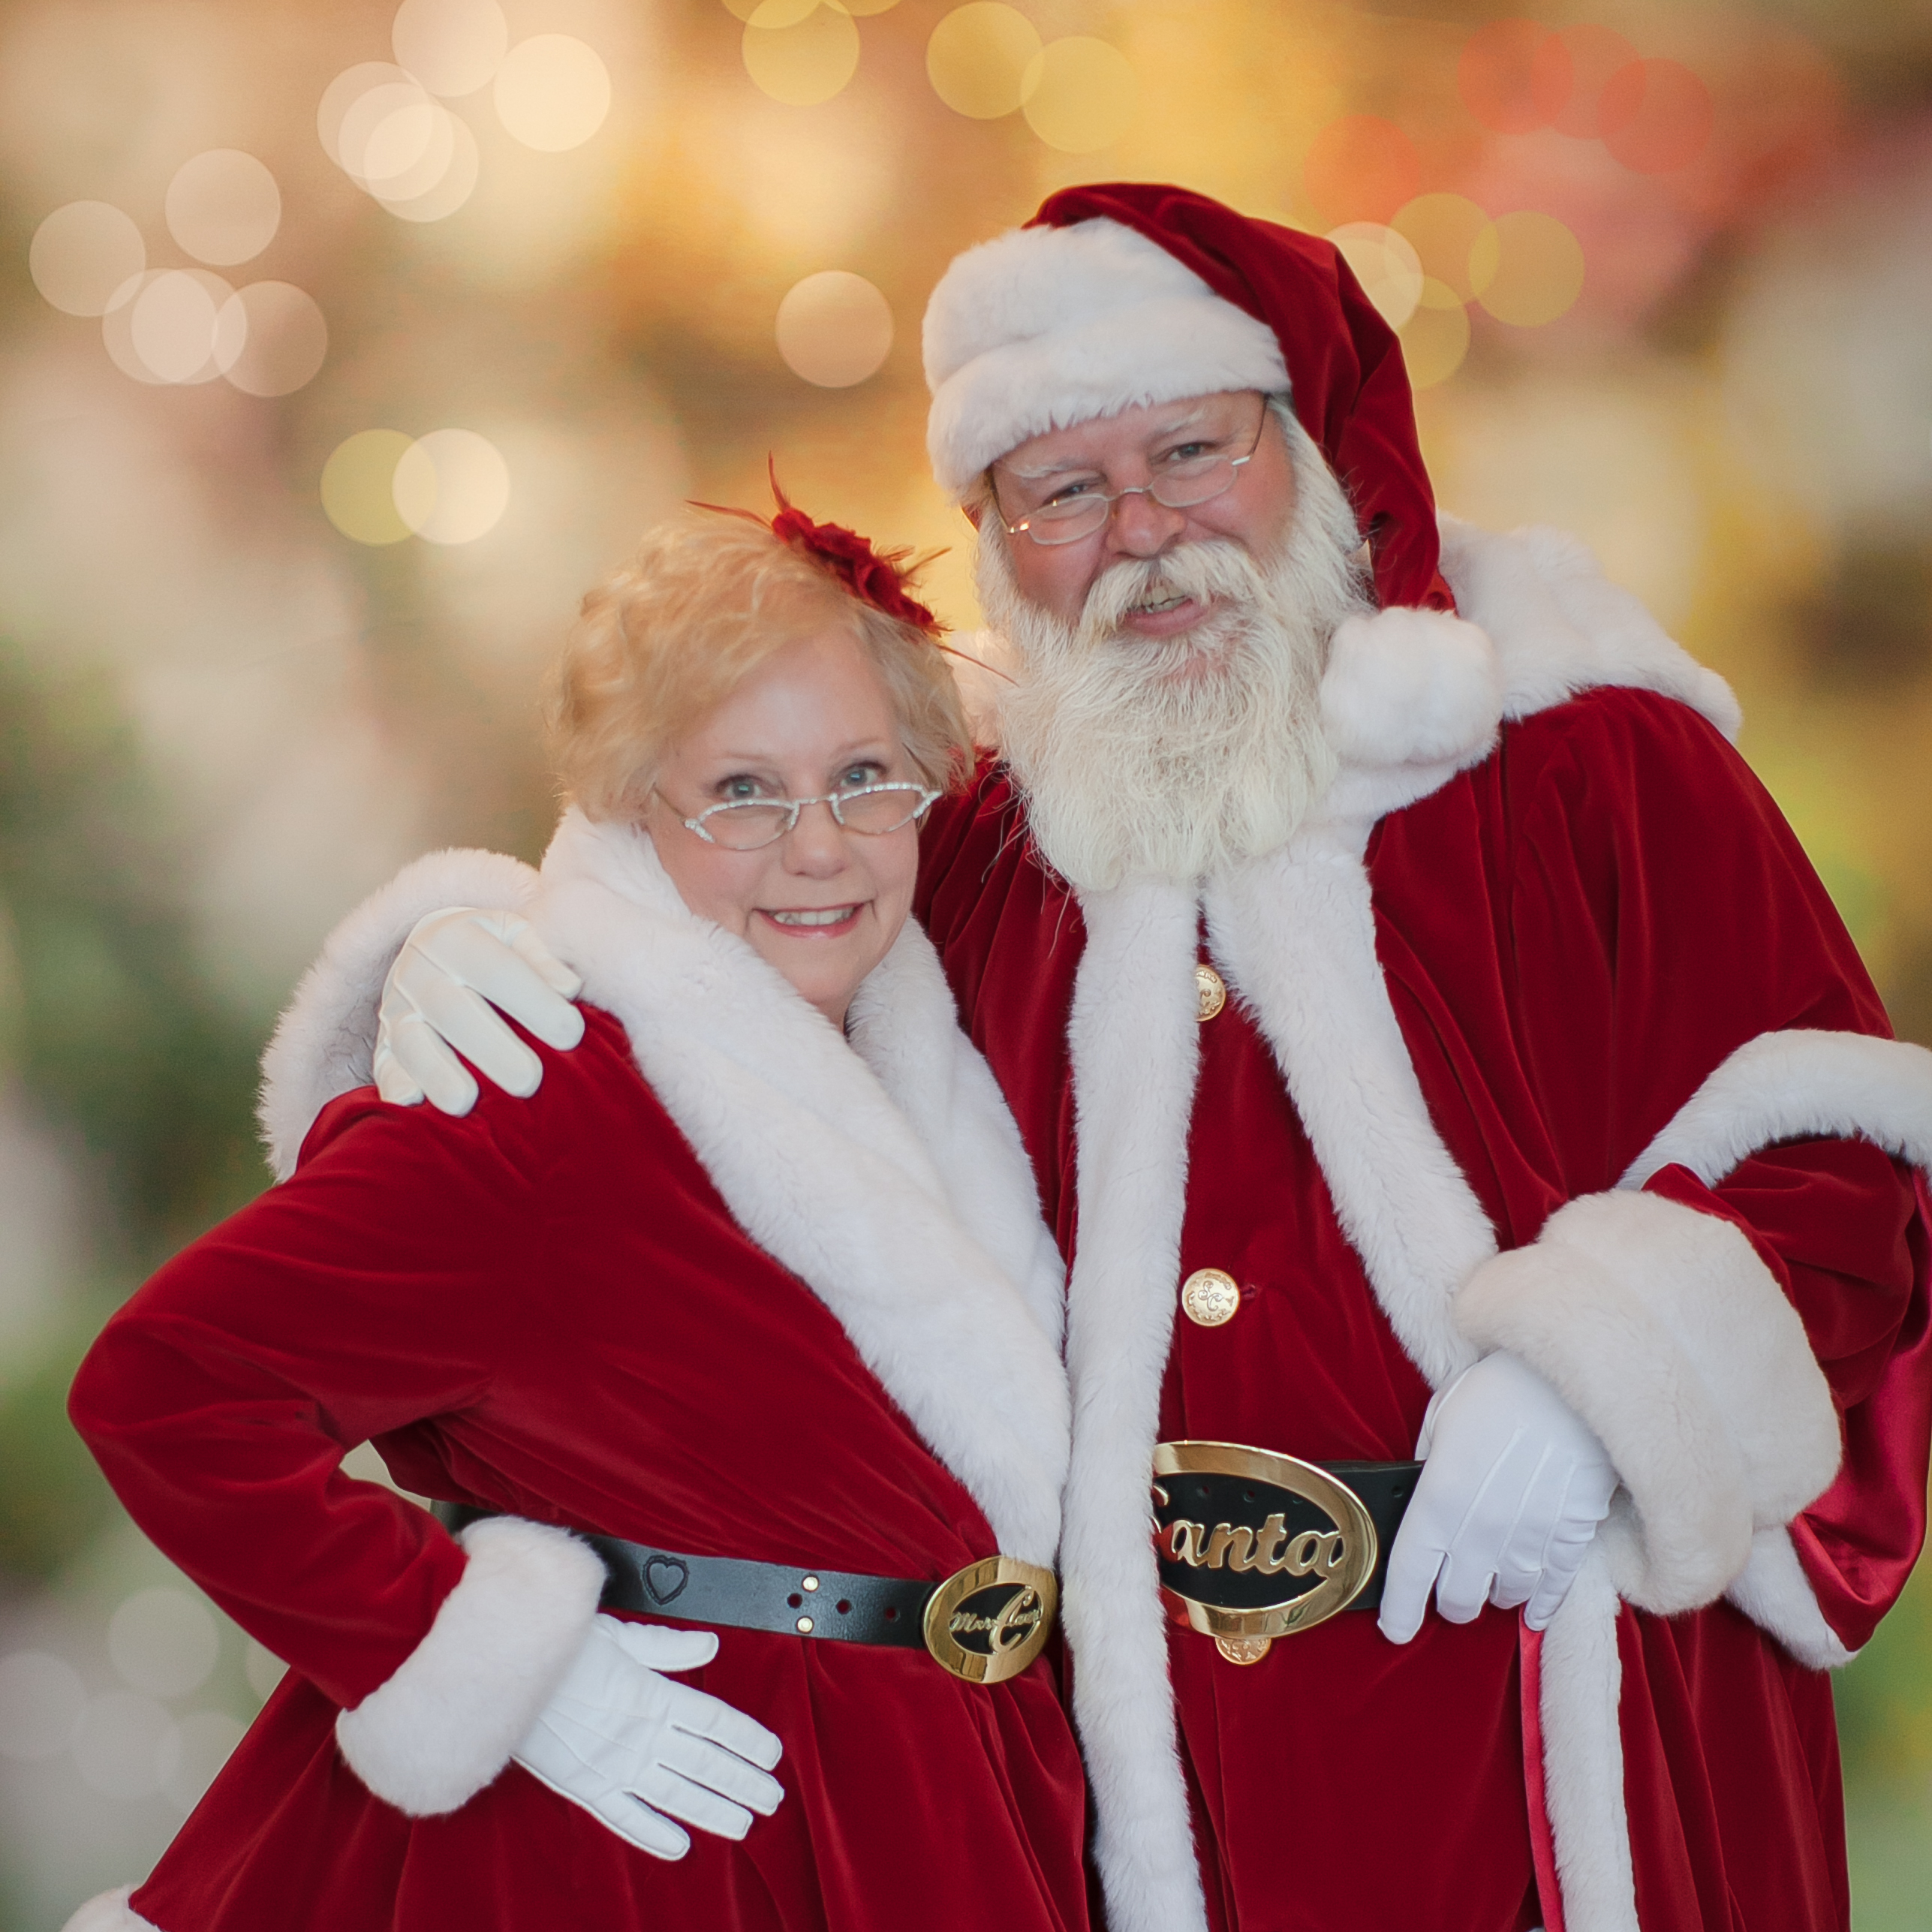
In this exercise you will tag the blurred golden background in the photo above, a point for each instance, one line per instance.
(345, 346)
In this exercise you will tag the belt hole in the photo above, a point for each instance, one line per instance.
(892, 1613)
(795, 1599)
(844, 1607)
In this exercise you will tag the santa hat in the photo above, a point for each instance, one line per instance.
(1126, 293)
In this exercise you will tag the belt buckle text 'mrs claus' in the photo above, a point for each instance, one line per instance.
(989, 1621)
(1252, 1545)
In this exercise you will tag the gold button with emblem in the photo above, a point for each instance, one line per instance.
(1243, 1650)
(1211, 992)
(1209, 1297)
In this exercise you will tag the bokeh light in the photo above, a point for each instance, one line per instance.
(125, 1745)
(164, 1642)
(1386, 263)
(1079, 94)
(41, 1699)
(358, 487)
(447, 194)
(452, 46)
(1442, 229)
(1361, 168)
(451, 487)
(1527, 269)
(800, 58)
(270, 338)
(772, 17)
(163, 327)
(224, 207)
(835, 329)
(979, 57)
(1514, 76)
(553, 92)
(1657, 116)
(382, 127)
(340, 97)
(397, 142)
(1596, 56)
(1435, 338)
(83, 255)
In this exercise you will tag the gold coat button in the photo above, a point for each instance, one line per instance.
(1210, 1297)
(1210, 990)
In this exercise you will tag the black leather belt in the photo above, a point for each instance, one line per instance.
(1252, 1545)
(985, 1624)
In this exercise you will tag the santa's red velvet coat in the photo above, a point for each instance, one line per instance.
(781, 1302)
(1581, 961)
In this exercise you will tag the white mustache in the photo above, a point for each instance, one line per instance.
(1202, 571)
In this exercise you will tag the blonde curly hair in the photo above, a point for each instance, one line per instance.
(662, 642)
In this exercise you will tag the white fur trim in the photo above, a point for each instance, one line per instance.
(109, 1911)
(443, 1726)
(1583, 1755)
(324, 1040)
(1662, 1328)
(905, 1026)
(1041, 328)
(1774, 1591)
(1136, 1048)
(1407, 687)
(1295, 933)
(902, 1237)
(1802, 1084)
(1559, 626)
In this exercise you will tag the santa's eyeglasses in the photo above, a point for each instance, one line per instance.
(1195, 471)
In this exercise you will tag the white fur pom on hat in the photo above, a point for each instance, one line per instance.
(1041, 328)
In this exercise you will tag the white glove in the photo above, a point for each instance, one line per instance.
(454, 967)
(618, 1739)
(1513, 1486)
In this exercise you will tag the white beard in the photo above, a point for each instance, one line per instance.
(1175, 758)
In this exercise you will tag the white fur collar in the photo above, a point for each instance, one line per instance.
(918, 1224)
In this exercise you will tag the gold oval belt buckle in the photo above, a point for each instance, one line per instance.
(989, 1621)
(1252, 1545)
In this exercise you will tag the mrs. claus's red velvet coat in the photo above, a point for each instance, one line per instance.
(1571, 991)
(777, 1304)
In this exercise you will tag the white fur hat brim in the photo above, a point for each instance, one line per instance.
(1042, 328)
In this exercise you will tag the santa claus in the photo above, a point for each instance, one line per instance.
(1431, 1043)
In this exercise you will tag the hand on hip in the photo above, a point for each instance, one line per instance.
(638, 1750)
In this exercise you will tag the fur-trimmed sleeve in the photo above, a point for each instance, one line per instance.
(1748, 1330)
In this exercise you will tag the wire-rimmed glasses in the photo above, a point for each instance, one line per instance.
(1080, 508)
(743, 825)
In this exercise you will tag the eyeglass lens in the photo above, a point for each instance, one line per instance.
(746, 824)
(1181, 487)
(1181, 484)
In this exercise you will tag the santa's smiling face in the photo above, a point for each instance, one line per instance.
(1166, 719)
(1133, 453)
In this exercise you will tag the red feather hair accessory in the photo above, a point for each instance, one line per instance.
(876, 577)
